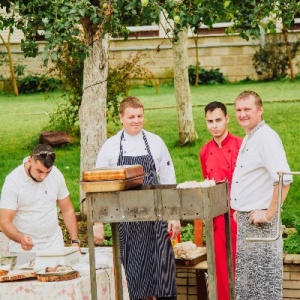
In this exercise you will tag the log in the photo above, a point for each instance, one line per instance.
(55, 138)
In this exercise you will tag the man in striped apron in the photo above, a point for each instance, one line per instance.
(146, 249)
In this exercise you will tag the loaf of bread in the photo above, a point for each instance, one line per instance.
(58, 268)
(113, 173)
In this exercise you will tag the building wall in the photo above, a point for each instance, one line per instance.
(231, 54)
(291, 277)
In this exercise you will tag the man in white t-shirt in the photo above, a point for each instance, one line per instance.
(29, 199)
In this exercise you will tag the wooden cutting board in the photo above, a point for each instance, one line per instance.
(19, 276)
(111, 185)
(113, 173)
(50, 278)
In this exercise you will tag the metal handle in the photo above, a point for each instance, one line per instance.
(278, 230)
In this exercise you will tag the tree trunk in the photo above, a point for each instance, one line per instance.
(186, 126)
(197, 61)
(92, 114)
(11, 64)
(288, 52)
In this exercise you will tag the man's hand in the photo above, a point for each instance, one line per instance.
(175, 227)
(258, 217)
(234, 215)
(98, 229)
(26, 242)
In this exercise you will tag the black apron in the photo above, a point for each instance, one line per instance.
(146, 250)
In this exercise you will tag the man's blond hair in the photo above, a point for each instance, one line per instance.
(247, 94)
(130, 102)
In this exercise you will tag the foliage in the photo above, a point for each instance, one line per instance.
(36, 84)
(108, 235)
(119, 83)
(291, 244)
(271, 61)
(249, 16)
(65, 119)
(122, 78)
(212, 76)
(187, 233)
(75, 22)
(70, 71)
(180, 14)
(3, 61)
(296, 223)
(19, 69)
(71, 23)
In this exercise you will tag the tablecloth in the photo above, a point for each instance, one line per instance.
(76, 289)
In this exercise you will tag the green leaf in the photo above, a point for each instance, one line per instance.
(226, 3)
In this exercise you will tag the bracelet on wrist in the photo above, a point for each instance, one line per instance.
(266, 218)
(75, 242)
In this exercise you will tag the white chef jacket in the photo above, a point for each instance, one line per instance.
(36, 207)
(260, 157)
(134, 145)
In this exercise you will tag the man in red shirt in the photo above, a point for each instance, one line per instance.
(218, 158)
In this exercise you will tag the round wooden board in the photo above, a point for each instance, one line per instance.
(51, 278)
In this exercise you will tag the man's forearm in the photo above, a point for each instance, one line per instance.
(11, 232)
(272, 209)
(70, 221)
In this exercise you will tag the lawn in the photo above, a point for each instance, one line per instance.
(24, 117)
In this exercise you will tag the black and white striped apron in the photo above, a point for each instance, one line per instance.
(146, 250)
(259, 265)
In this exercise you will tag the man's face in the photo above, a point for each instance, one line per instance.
(37, 171)
(247, 113)
(132, 120)
(216, 123)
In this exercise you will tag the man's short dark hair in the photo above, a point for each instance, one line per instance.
(214, 105)
(44, 153)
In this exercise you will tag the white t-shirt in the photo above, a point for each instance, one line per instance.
(260, 157)
(134, 145)
(36, 207)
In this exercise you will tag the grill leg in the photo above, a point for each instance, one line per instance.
(201, 285)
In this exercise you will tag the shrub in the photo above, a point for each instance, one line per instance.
(70, 70)
(212, 76)
(292, 244)
(36, 84)
(271, 61)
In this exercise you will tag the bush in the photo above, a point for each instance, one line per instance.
(187, 233)
(213, 76)
(271, 61)
(37, 84)
(292, 244)
(119, 82)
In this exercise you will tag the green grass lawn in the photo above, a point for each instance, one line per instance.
(24, 117)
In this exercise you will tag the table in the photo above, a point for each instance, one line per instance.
(76, 289)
